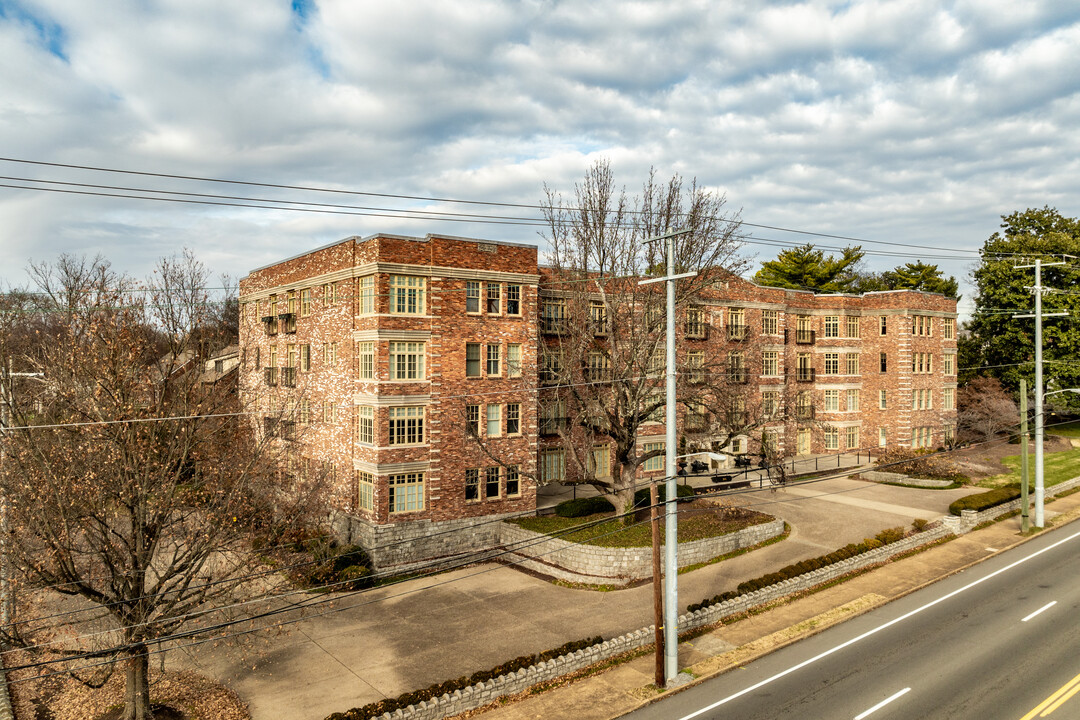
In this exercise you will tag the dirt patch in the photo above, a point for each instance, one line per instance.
(983, 461)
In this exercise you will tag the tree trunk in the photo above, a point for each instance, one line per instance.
(624, 493)
(137, 693)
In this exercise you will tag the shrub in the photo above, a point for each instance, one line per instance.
(345, 567)
(982, 501)
(375, 709)
(921, 463)
(919, 524)
(641, 497)
(580, 507)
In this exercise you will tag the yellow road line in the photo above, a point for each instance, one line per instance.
(1053, 702)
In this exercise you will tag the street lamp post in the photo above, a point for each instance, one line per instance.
(671, 538)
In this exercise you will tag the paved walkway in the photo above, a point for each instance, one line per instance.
(409, 636)
(625, 687)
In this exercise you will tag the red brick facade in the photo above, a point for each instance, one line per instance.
(385, 349)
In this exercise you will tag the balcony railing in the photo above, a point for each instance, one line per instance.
(552, 325)
(739, 376)
(271, 375)
(804, 412)
(599, 326)
(738, 332)
(288, 322)
(287, 429)
(553, 425)
(695, 423)
(288, 376)
(271, 323)
(697, 331)
(805, 374)
(597, 374)
(805, 337)
(548, 376)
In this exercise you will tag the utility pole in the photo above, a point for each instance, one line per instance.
(671, 536)
(1037, 290)
(1025, 506)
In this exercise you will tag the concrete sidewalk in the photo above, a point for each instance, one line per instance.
(409, 636)
(627, 686)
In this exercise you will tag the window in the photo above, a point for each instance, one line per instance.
(406, 492)
(305, 358)
(552, 466)
(494, 420)
(407, 295)
(491, 483)
(922, 325)
(406, 361)
(948, 399)
(882, 437)
(305, 302)
(365, 353)
(292, 302)
(832, 401)
(950, 329)
(852, 363)
(600, 461)
(293, 355)
(736, 324)
(598, 317)
(657, 361)
(365, 490)
(922, 437)
(494, 298)
(273, 356)
(832, 439)
(950, 435)
(770, 364)
(883, 325)
(883, 400)
(695, 366)
(551, 367)
(472, 296)
(804, 407)
(949, 364)
(853, 326)
(654, 464)
(407, 425)
(552, 314)
(695, 323)
(472, 419)
(770, 322)
(494, 363)
(853, 400)
(696, 416)
(884, 360)
(832, 326)
(329, 294)
(366, 294)
(365, 425)
(329, 353)
(852, 438)
(832, 363)
(513, 418)
(770, 403)
(513, 481)
(804, 368)
(552, 417)
(472, 359)
(513, 302)
(304, 414)
(329, 412)
(472, 485)
(513, 360)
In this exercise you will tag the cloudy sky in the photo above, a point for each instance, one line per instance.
(914, 122)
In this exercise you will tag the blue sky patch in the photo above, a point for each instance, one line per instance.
(50, 35)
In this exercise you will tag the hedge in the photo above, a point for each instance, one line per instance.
(982, 501)
(580, 507)
(375, 709)
(802, 567)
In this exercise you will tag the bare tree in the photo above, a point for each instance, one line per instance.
(985, 410)
(602, 353)
(132, 484)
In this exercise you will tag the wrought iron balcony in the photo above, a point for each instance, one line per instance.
(553, 425)
(288, 322)
(271, 375)
(288, 376)
(805, 374)
(805, 337)
(738, 332)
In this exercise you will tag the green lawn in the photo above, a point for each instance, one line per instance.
(613, 534)
(1070, 430)
(1057, 467)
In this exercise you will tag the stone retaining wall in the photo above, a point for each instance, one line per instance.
(889, 477)
(577, 562)
(970, 519)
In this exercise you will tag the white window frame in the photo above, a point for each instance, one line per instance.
(408, 295)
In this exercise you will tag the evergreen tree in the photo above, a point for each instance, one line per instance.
(920, 276)
(807, 268)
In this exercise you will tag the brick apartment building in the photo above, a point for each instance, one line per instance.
(388, 356)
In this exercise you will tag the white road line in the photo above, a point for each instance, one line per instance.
(882, 704)
(874, 631)
(1047, 606)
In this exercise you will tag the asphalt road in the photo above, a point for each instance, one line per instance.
(1001, 640)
